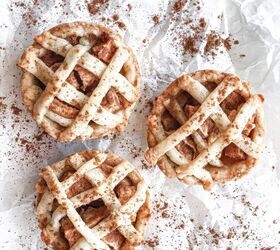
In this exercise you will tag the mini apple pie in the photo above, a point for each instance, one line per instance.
(79, 81)
(206, 127)
(92, 200)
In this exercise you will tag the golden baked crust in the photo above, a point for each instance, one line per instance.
(80, 81)
(206, 127)
(92, 200)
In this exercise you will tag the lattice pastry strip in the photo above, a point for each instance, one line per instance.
(91, 107)
(120, 219)
(234, 131)
(209, 161)
(125, 83)
(103, 187)
(177, 112)
(200, 93)
(205, 110)
(91, 63)
(73, 215)
(68, 94)
(58, 78)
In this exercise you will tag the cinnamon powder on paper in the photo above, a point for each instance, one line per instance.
(96, 6)
(156, 19)
(153, 242)
(116, 19)
(190, 45)
(15, 110)
(190, 42)
(178, 5)
(3, 106)
(214, 41)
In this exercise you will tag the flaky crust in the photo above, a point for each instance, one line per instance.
(31, 91)
(218, 174)
(56, 241)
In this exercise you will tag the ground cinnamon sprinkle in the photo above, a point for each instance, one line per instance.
(117, 20)
(3, 106)
(192, 34)
(121, 25)
(202, 23)
(215, 41)
(153, 242)
(15, 109)
(178, 5)
(164, 214)
(116, 17)
(241, 228)
(96, 6)
(190, 46)
(145, 165)
(156, 19)
(129, 7)
(28, 16)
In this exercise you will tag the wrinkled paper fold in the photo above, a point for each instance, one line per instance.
(242, 214)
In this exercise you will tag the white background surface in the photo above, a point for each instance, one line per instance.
(249, 207)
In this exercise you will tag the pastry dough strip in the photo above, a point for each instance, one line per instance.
(209, 106)
(234, 131)
(120, 214)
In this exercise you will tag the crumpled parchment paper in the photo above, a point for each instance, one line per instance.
(242, 214)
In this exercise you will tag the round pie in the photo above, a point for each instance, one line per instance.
(79, 81)
(206, 127)
(92, 200)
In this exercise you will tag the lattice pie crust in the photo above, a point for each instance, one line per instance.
(79, 81)
(92, 200)
(206, 127)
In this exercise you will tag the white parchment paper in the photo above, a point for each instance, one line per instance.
(242, 214)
